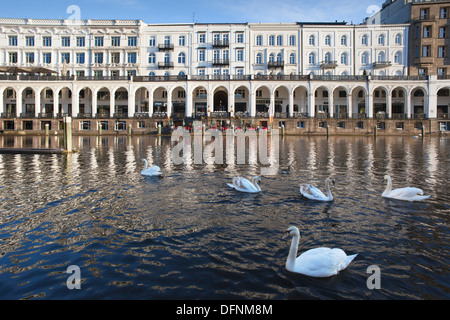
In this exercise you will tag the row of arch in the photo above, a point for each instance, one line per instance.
(325, 98)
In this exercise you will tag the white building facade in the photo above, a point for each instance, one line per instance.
(117, 69)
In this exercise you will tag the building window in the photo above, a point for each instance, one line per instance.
(441, 71)
(398, 39)
(152, 42)
(202, 37)
(182, 57)
(13, 57)
(240, 37)
(201, 55)
(443, 13)
(427, 31)
(29, 57)
(131, 57)
(85, 125)
(98, 58)
(422, 72)
(115, 57)
(271, 57)
(279, 40)
(132, 42)
(12, 41)
(365, 58)
(301, 124)
(381, 57)
(29, 41)
(312, 40)
(80, 58)
(398, 57)
(312, 58)
(240, 55)
(292, 58)
(292, 40)
(426, 51)
(259, 40)
(442, 32)
(47, 58)
(115, 41)
(381, 39)
(46, 41)
(344, 58)
(344, 41)
(65, 41)
(81, 41)
(271, 40)
(259, 58)
(66, 57)
(424, 14)
(442, 52)
(182, 41)
(120, 126)
(98, 41)
(364, 40)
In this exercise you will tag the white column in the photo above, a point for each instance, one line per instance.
(431, 106)
(388, 105)
(408, 104)
(56, 103)
(369, 105)
(291, 104)
(169, 104)
(210, 100)
(231, 107)
(37, 103)
(272, 106)
(112, 104)
(131, 105)
(150, 103)
(349, 106)
(252, 106)
(94, 103)
(311, 105)
(76, 102)
(331, 104)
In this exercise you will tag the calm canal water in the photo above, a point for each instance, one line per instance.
(189, 236)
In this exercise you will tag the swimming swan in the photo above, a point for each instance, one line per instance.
(152, 171)
(244, 185)
(405, 194)
(318, 262)
(311, 192)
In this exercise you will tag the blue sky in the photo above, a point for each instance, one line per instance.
(201, 11)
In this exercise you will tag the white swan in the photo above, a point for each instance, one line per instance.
(244, 185)
(311, 192)
(152, 171)
(318, 262)
(405, 194)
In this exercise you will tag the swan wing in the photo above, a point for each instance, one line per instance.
(408, 193)
(322, 262)
(247, 186)
(311, 192)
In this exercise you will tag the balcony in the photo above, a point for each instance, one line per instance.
(424, 60)
(381, 64)
(165, 47)
(220, 43)
(328, 64)
(221, 62)
(7, 115)
(165, 65)
(275, 64)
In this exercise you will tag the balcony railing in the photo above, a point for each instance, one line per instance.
(221, 43)
(381, 64)
(275, 64)
(165, 65)
(7, 115)
(45, 115)
(27, 115)
(220, 114)
(83, 115)
(221, 62)
(120, 115)
(442, 115)
(165, 46)
(328, 64)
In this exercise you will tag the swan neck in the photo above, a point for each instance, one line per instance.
(389, 185)
(327, 186)
(290, 262)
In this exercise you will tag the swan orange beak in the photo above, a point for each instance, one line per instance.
(286, 234)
